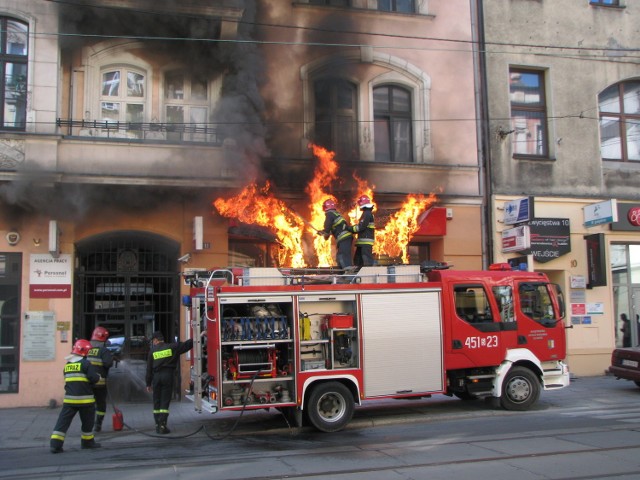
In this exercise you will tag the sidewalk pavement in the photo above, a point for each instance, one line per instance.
(31, 426)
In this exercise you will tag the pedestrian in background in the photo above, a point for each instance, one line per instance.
(79, 376)
(336, 225)
(100, 357)
(366, 231)
(161, 366)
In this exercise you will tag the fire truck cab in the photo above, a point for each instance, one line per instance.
(317, 343)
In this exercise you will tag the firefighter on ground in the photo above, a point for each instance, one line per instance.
(336, 225)
(161, 366)
(100, 357)
(366, 231)
(79, 376)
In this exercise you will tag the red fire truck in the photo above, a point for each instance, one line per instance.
(313, 343)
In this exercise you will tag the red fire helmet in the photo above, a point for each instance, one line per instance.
(100, 334)
(81, 347)
(328, 204)
(365, 202)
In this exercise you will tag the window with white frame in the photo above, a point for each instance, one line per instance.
(402, 6)
(123, 95)
(619, 107)
(186, 98)
(13, 62)
(528, 113)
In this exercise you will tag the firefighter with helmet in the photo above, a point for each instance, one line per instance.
(336, 225)
(365, 229)
(100, 357)
(161, 366)
(79, 376)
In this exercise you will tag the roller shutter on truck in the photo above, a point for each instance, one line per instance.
(402, 335)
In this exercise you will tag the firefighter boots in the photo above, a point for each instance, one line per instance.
(98, 425)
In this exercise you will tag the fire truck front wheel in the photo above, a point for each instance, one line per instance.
(520, 390)
(330, 406)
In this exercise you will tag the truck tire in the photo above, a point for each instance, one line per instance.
(330, 406)
(520, 390)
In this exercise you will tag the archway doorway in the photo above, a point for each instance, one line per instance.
(128, 282)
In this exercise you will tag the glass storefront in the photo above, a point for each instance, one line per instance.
(625, 268)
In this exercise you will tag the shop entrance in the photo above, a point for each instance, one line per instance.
(128, 283)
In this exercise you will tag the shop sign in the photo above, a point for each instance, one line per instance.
(50, 277)
(516, 239)
(518, 211)
(628, 218)
(599, 213)
(550, 238)
(596, 262)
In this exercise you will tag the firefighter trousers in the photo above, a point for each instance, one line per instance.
(67, 413)
(101, 403)
(162, 384)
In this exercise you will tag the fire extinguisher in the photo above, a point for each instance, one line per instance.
(118, 420)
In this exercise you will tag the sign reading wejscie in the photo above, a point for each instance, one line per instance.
(550, 238)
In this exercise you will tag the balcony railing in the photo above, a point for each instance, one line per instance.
(161, 132)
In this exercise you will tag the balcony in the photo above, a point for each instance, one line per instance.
(131, 132)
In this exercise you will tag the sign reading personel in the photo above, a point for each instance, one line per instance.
(49, 277)
(550, 238)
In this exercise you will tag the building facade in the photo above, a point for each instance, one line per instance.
(124, 121)
(561, 127)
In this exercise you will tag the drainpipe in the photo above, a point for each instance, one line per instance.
(482, 130)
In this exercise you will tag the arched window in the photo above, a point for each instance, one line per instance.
(13, 61)
(336, 119)
(123, 95)
(392, 117)
(619, 107)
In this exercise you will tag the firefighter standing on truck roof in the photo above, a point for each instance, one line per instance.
(366, 231)
(161, 365)
(336, 225)
(79, 376)
(100, 357)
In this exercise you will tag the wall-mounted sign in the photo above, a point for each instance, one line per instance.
(550, 238)
(516, 239)
(628, 218)
(38, 336)
(599, 213)
(578, 281)
(596, 262)
(518, 211)
(49, 277)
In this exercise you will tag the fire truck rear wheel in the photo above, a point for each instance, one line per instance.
(520, 390)
(330, 407)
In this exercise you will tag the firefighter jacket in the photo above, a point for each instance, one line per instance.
(336, 225)
(365, 228)
(100, 357)
(165, 356)
(79, 376)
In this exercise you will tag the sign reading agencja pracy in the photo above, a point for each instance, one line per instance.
(49, 277)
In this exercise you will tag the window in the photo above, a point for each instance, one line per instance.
(608, 3)
(403, 6)
(10, 281)
(123, 96)
(472, 304)
(186, 104)
(535, 302)
(13, 61)
(392, 124)
(504, 299)
(619, 107)
(528, 113)
(336, 123)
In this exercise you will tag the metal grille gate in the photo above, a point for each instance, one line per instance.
(127, 282)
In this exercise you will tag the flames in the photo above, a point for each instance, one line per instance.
(254, 205)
